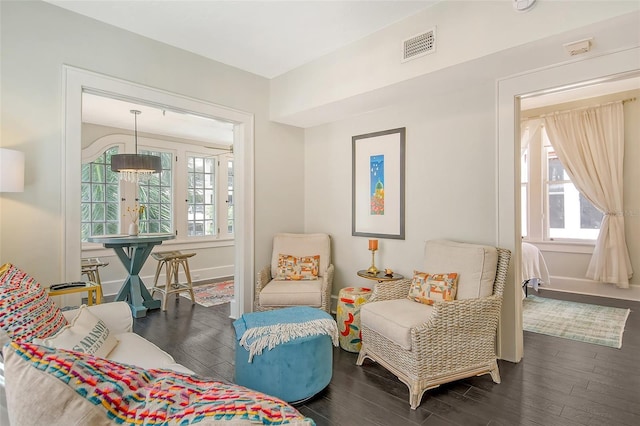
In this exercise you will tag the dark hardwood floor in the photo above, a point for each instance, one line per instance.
(558, 382)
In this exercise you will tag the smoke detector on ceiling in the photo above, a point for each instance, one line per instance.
(419, 45)
(523, 5)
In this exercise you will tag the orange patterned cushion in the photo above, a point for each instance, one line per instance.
(429, 288)
(302, 268)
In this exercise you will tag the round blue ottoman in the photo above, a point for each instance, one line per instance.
(300, 362)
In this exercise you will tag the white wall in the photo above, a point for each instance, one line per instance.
(450, 179)
(339, 83)
(460, 182)
(36, 40)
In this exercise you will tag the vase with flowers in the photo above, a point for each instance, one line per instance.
(135, 214)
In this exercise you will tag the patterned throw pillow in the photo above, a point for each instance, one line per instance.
(26, 310)
(302, 268)
(86, 333)
(98, 391)
(430, 288)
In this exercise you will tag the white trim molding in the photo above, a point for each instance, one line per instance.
(592, 288)
(509, 91)
(75, 82)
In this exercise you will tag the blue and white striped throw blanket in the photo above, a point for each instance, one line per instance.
(259, 330)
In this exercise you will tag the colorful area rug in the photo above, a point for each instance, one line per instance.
(212, 294)
(596, 324)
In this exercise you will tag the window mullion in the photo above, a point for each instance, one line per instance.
(202, 195)
(128, 199)
(180, 182)
(537, 207)
(221, 197)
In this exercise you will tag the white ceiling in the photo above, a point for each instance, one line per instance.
(105, 111)
(267, 38)
(264, 37)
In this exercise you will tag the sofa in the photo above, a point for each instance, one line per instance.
(131, 348)
(102, 373)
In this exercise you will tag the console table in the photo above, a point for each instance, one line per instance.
(133, 251)
(93, 289)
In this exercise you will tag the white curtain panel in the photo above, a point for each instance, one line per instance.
(529, 129)
(590, 144)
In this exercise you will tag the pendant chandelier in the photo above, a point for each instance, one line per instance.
(131, 167)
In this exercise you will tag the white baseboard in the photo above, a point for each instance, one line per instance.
(111, 288)
(572, 285)
(592, 288)
(232, 308)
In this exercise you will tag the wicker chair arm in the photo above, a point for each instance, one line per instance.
(459, 321)
(264, 276)
(328, 278)
(327, 287)
(390, 290)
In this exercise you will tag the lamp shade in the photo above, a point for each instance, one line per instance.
(11, 170)
(138, 163)
(132, 166)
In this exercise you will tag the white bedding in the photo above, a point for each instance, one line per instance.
(534, 268)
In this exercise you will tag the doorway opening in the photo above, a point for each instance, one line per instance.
(556, 218)
(191, 198)
(510, 92)
(239, 126)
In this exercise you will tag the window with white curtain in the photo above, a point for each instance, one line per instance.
(552, 207)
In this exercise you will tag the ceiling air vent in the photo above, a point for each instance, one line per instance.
(419, 45)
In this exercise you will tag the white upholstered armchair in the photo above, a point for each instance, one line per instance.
(428, 345)
(276, 288)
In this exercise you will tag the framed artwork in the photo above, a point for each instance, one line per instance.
(378, 184)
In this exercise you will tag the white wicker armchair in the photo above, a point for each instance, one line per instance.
(443, 342)
(271, 293)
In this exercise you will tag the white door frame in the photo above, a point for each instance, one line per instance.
(509, 92)
(75, 80)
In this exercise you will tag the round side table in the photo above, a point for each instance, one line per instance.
(380, 276)
(348, 316)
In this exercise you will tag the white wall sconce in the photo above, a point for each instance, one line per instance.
(11, 170)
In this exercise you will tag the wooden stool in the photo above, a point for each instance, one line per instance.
(172, 260)
(90, 267)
